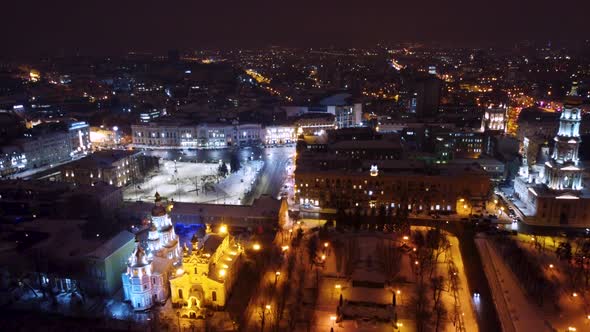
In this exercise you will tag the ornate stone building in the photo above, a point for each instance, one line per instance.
(210, 269)
(551, 192)
(148, 270)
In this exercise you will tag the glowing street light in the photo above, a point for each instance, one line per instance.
(256, 247)
(551, 266)
(323, 257)
(326, 244)
(338, 286)
(284, 248)
(223, 229)
(406, 238)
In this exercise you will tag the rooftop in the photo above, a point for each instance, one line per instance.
(101, 159)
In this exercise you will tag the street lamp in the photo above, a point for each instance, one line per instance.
(223, 229)
(338, 287)
(332, 319)
(256, 246)
(277, 275)
(267, 307)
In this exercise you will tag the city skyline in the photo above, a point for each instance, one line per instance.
(109, 27)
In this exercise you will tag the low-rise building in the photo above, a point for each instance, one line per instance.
(53, 256)
(115, 167)
(23, 199)
(201, 136)
(265, 212)
(394, 184)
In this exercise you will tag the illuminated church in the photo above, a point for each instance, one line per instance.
(149, 269)
(210, 269)
(552, 193)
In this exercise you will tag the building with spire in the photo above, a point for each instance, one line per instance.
(551, 192)
(149, 269)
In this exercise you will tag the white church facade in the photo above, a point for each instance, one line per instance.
(146, 281)
(551, 192)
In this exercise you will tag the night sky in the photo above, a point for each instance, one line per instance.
(30, 27)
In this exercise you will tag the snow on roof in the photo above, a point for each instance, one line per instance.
(263, 207)
(101, 159)
(112, 245)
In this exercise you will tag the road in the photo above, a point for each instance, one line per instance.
(514, 309)
(274, 172)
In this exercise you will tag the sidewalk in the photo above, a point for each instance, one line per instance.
(465, 299)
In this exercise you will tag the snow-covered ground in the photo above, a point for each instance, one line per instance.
(196, 183)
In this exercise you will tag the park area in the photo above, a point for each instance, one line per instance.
(197, 182)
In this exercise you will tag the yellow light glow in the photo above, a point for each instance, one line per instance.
(179, 272)
(256, 246)
(338, 286)
(223, 229)
(222, 273)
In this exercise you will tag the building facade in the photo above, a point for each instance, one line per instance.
(202, 136)
(551, 193)
(114, 167)
(394, 184)
(210, 269)
(149, 269)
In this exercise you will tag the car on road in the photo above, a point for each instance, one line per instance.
(476, 294)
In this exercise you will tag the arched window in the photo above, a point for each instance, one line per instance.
(214, 296)
(180, 293)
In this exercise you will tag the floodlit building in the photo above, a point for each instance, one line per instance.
(552, 193)
(279, 135)
(209, 271)
(494, 119)
(201, 136)
(149, 269)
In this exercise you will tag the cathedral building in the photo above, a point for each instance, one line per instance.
(149, 269)
(210, 269)
(551, 192)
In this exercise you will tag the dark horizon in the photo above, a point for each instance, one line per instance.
(109, 27)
